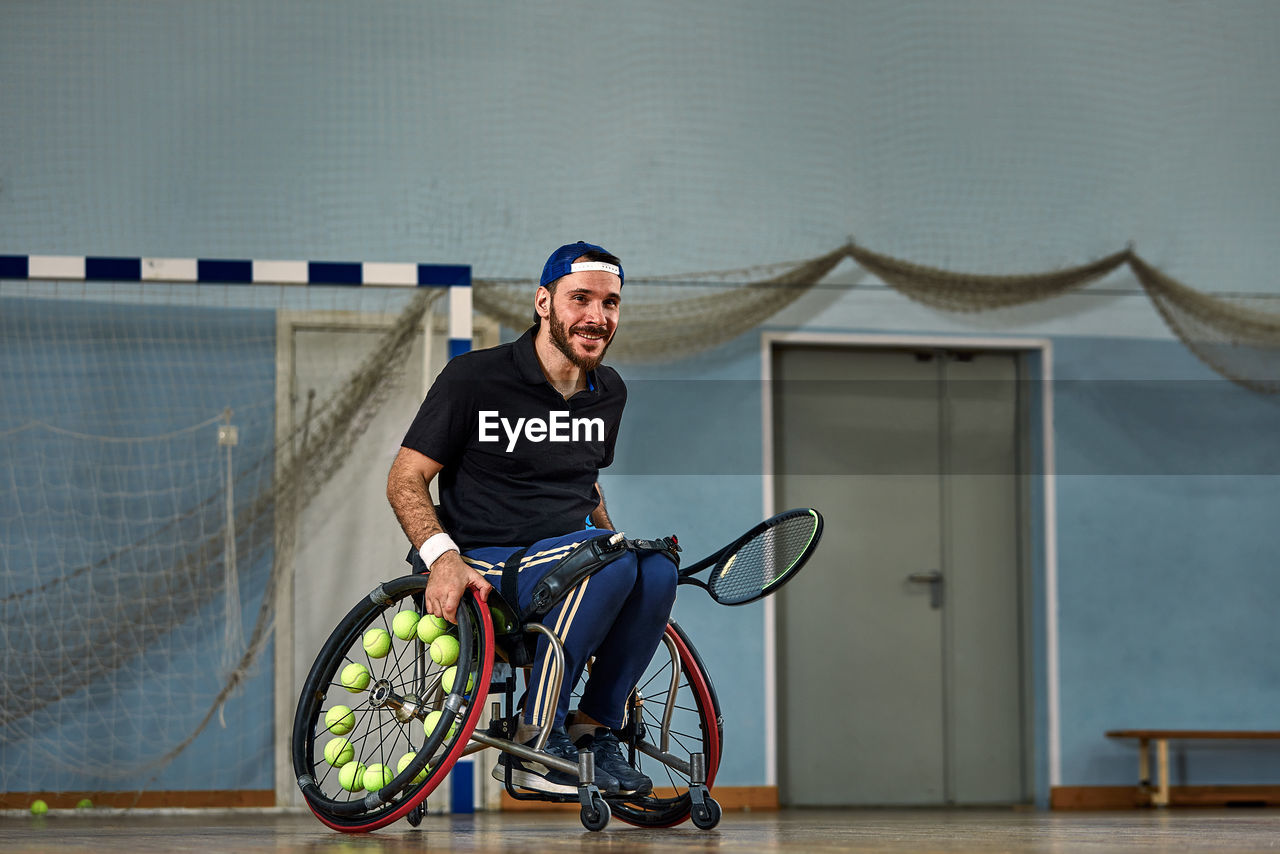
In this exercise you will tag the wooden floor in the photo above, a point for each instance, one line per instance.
(784, 831)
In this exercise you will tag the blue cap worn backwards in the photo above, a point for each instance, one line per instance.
(561, 262)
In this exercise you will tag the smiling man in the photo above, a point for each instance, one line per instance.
(517, 435)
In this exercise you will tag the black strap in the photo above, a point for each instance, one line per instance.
(669, 546)
(587, 558)
(510, 580)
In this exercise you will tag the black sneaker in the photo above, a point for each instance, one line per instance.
(610, 762)
(538, 777)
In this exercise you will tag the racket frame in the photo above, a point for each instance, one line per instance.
(722, 559)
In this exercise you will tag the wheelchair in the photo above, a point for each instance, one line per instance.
(383, 717)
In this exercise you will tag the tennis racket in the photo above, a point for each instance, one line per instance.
(761, 560)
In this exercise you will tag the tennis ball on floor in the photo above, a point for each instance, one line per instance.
(339, 720)
(405, 625)
(351, 777)
(404, 763)
(446, 680)
(355, 678)
(39, 807)
(339, 752)
(431, 627)
(444, 649)
(377, 643)
(84, 804)
(432, 721)
(377, 776)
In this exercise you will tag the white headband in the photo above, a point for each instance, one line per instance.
(582, 266)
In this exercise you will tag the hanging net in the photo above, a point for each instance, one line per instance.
(146, 505)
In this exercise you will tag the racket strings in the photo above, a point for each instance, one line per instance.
(763, 560)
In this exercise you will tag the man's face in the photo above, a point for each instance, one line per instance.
(582, 315)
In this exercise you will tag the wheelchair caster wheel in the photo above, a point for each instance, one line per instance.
(414, 816)
(706, 815)
(596, 816)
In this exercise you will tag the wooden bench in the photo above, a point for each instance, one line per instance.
(1158, 795)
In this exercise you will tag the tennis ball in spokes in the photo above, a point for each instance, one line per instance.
(355, 678)
(446, 680)
(351, 777)
(444, 650)
(405, 625)
(339, 752)
(404, 763)
(377, 643)
(431, 627)
(39, 807)
(377, 776)
(339, 720)
(432, 721)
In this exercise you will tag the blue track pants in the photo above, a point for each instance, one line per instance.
(617, 615)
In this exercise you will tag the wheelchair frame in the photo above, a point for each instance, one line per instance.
(398, 699)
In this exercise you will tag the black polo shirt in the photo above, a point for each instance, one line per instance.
(520, 461)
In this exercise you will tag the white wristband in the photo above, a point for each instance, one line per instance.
(436, 545)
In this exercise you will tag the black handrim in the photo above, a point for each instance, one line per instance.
(377, 736)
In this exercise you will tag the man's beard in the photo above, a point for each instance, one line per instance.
(560, 337)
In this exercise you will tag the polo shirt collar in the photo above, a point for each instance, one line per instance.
(530, 368)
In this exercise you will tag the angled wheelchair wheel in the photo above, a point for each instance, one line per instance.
(674, 714)
(380, 723)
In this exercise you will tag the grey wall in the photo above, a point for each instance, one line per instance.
(987, 135)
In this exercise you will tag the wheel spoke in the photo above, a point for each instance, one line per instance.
(381, 733)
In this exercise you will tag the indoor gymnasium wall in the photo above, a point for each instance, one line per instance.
(1166, 477)
(127, 625)
(990, 137)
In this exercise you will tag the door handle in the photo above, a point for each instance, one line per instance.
(934, 579)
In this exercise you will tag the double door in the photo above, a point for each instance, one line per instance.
(902, 649)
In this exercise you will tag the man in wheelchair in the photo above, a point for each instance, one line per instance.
(517, 435)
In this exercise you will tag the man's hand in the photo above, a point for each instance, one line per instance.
(450, 577)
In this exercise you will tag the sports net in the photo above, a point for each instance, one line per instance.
(147, 517)
(668, 318)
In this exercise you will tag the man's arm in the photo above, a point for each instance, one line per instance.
(600, 516)
(408, 490)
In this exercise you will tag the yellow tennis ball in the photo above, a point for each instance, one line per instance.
(339, 720)
(404, 763)
(432, 721)
(377, 776)
(444, 649)
(339, 752)
(351, 777)
(405, 625)
(39, 807)
(84, 804)
(355, 678)
(446, 680)
(377, 643)
(431, 627)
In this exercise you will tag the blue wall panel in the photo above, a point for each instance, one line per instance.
(100, 512)
(1168, 496)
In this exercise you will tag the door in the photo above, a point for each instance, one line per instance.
(346, 539)
(901, 651)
